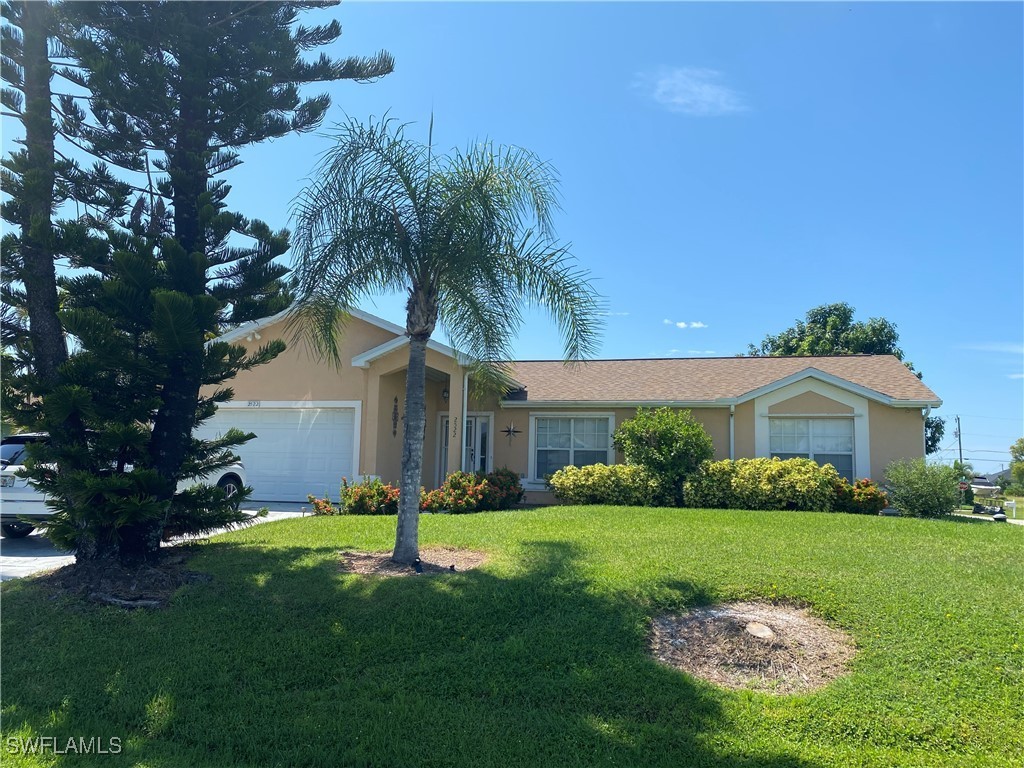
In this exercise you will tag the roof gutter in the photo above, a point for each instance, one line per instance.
(616, 404)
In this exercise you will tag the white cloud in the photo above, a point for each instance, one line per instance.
(682, 324)
(615, 314)
(691, 91)
(1016, 375)
(701, 352)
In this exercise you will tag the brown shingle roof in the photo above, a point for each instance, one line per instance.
(706, 379)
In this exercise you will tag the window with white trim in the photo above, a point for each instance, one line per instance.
(827, 441)
(564, 441)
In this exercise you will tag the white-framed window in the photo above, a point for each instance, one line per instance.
(561, 440)
(827, 441)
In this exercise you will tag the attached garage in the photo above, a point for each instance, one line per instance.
(299, 448)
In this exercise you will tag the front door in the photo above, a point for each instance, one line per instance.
(476, 453)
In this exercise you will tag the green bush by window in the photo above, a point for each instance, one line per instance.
(922, 490)
(618, 484)
(669, 443)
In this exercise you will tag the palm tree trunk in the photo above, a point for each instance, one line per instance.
(407, 538)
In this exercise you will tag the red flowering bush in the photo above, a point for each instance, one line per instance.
(864, 497)
(503, 490)
(323, 506)
(370, 497)
(462, 492)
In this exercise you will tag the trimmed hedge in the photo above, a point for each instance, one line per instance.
(626, 485)
(763, 484)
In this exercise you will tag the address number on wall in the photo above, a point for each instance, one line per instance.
(253, 403)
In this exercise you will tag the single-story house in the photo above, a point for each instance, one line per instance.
(1002, 476)
(316, 422)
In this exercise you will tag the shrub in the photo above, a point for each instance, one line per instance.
(922, 490)
(864, 497)
(462, 492)
(503, 490)
(711, 486)
(763, 484)
(669, 443)
(969, 495)
(370, 497)
(617, 484)
(323, 506)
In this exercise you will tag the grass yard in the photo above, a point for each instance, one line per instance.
(538, 658)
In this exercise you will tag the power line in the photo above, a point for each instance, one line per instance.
(995, 418)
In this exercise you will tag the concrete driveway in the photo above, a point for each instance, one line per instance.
(36, 553)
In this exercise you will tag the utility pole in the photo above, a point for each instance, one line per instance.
(960, 446)
(963, 475)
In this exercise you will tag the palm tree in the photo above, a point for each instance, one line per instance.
(467, 236)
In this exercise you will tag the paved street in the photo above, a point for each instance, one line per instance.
(36, 553)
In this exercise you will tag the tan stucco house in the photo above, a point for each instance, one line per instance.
(316, 423)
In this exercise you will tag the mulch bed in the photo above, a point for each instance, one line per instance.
(780, 649)
(433, 560)
(109, 583)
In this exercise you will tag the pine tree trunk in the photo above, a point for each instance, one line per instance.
(172, 427)
(407, 544)
(38, 273)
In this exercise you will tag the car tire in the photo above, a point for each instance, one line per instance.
(232, 487)
(16, 530)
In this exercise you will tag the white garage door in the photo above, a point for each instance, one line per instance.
(296, 451)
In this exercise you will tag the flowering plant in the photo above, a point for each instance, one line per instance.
(462, 492)
(370, 497)
(323, 506)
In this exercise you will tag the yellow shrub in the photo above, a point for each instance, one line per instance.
(617, 484)
(763, 484)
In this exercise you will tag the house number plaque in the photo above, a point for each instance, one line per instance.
(253, 403)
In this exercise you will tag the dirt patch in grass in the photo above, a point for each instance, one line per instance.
(110, 583)
(433, 560)
(779, 649)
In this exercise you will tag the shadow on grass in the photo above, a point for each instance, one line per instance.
(282, 660)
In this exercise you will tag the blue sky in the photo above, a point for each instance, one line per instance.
(728, 166)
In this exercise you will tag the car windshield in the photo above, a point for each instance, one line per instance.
(11, 453)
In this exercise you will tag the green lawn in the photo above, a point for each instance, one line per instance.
(537, 658)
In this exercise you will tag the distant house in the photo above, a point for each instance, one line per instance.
(1000, 477)
(316, 423)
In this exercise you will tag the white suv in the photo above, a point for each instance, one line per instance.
(20, 503)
